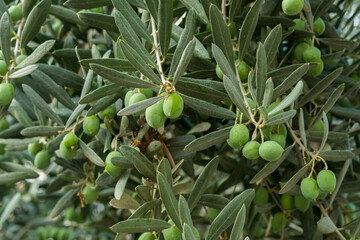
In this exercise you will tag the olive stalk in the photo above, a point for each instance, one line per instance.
(157, 53)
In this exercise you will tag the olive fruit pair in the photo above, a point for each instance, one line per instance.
(148, 92)
(6, 93)
(42, 160)
(170, 107)
(292, 7)
(34, 148)
(304, 52)
(242, 67)
(91, 125)
(68, 146)
(110, 168)
(90, 193)
(15, 13)
(325, 183)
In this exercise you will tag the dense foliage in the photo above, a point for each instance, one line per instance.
(190, 119)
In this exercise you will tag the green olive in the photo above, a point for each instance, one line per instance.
(251, 150)
(312, 54)
(309, 188)
(261, 196)
(34, 148)
(2, 149)
(302, 204)
(98, 10)
(299, 51)
(128, 95)
(147, 236)
(91, 125)
(3, 68)
(280, 139)
(89, 193)
(316, 71)
(299, 25)
(155, 116)
(243, 69)
(70, 213)
(239, 135)
(279, 221)
(19, 59)
(137, 97)
(70, 140)
(270, 151)
(67, 153)
(319, 127)
(292, 7)
(172, 233)
(109, 111)
(319, 27)
(42, 160)
(6, 93)
(3, 124)
(15, 13)
(173, 106)
(287, 202)
(219, 73)
(111, 169)
(326, 180)
(213, 213)
(148, 92)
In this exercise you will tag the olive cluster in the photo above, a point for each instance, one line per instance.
(54, 233)
(325, 183)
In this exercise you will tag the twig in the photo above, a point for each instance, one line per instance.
(336, 229)
(223, 9)
(168, 154)
(158, 59)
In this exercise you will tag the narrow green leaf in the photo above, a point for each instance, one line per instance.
(120, 185)
(152, 6)
(339, 44)
(184, 61)
(141, 163)
(100, 93)
(41, 104)
(65, 201)
(188, 232)
(27, 6)
(248, 28)
(320, 87)
(271, 167)
(239, 223)
(293, 78)
(103, 103)
(87, 4)
(286, 71)
(125, 202)
(198, 8)
(138, 107)
(34, 21)
(294, 179)
(326, 131)
(18, 112)
(281, 118)
(14, 177)
(185, 214)
(37, 54)
(5, 38)
(272, 43)
(165, 24)
(214, 201)
(165, 168)
(221, 34)
(168, 199)
(260, 72)
(14, 167)
(186, 35)
(334, 137)
(44, 131)
(112, 63)
(202, 182)
(302, 127)
(125, 8)
(269, 89)
(90, 154)
(322, 8)
(140, 211)
(140, 225)
(77, 112)
(207, 108)
(11, 205)
(65, 14)
(24, 71)
(137, 61)
(236, 7)
(336, 155)
(289, 99)
(228, 215)
(99, 20)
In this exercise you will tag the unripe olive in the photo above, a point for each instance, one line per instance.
(42, 160)
(219, 73)
(239, 135)
(243, 69)
(34, 148)
(261, 196)
(309, 188)
(155, 116)
(292, 7)
(312, 54)
(213, 213)
(3, 68)
(67, 153)
(109, 111)
(91, 125)
(147, 236)
(90, 195)
(3, 124)
(302, 204)
(128, 95)
(148, 92)
(62, 234)
(173, 106)
(2, 149)
(172, 233)
(319, 127)
(279, 221)
(137, 97)
(6, 93)
(15, 13)
(270, 151)
(98, 10)
(299, 25)
(280, 139)
(319, 27)
(287, 202)
(70, 140)
(278, 129)
(251, 150)
(70, 213)
(19, 59)
(299, 51)
(326, 180)
(316, 71)
(111, 169)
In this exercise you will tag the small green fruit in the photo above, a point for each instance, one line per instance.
(111, 169)
(70, 213)
(137, 97)
(109, 111)
(172, 233)
(42, 160)
(6, 93)
(213, 213)
(299, 25)
(302, 204)
(270, 151)
(98, 10)
(90, 195)
(128, 95)
(15, 13)
(280, 139)
(219, 73)
(239, 135)
(299, 51)
(319, 27)
(279, 221)
(312, 54)
(292, 7)
(147, 236)
(173, 106)
(316, 71)
(148, 92)
(287, 202)
(243, 69)
(3, 124)
(261, 196)
(70, 140)
(91, 125)
(309, 188)
(34, 148)
(319, 127)
(155, 116)
(3, 68)
(19, 59)
(67, 153)
(2, 149)
(251, 150)
(326, 181)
